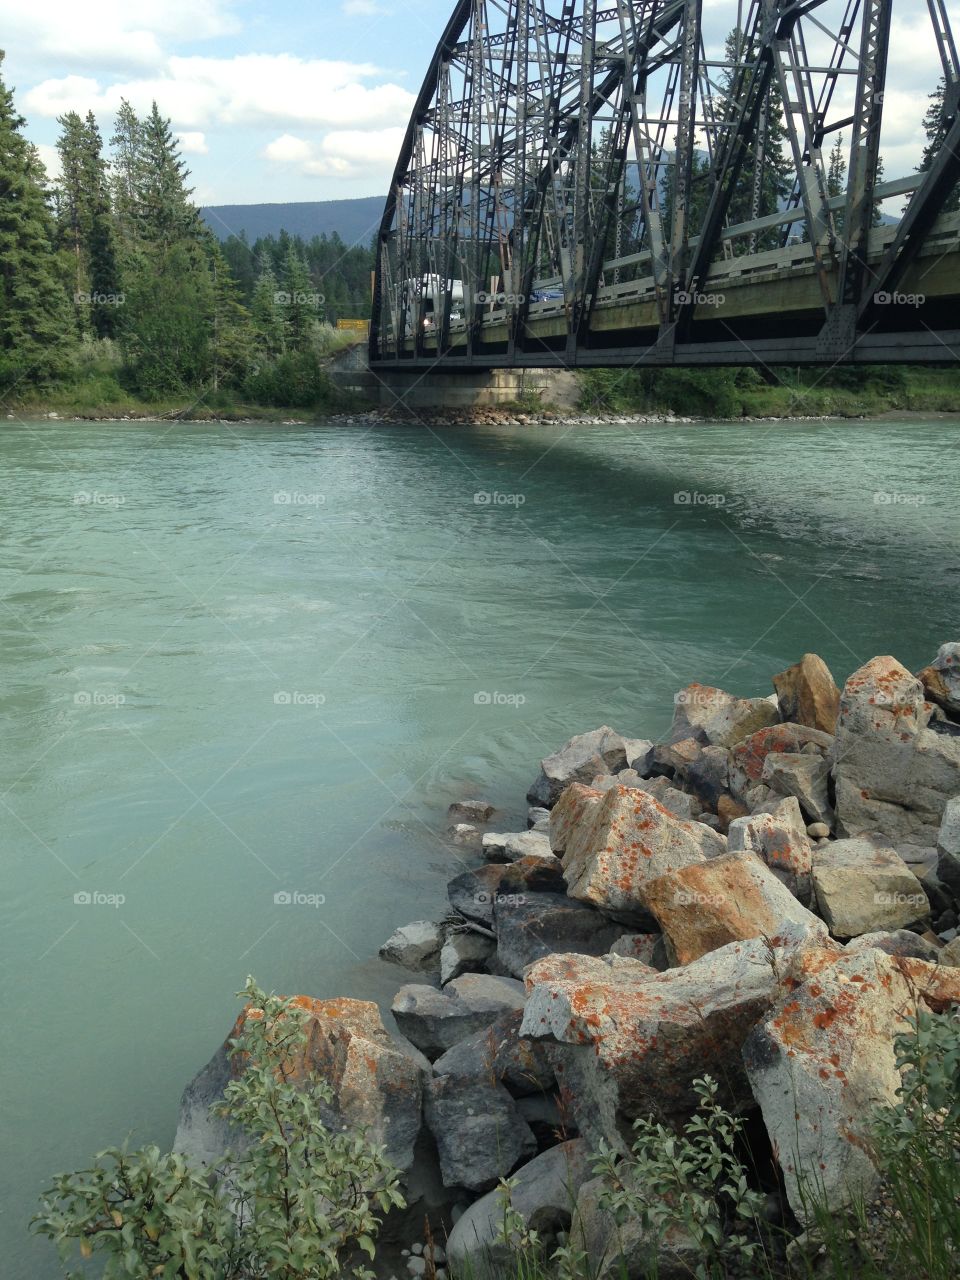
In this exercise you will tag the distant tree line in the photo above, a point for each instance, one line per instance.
(110, 273)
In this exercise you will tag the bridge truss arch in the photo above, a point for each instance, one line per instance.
(591, 183)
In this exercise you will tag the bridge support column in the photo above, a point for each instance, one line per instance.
(473, 390)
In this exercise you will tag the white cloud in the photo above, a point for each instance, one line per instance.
(362, 8)
(252, 90)
(193, 144)
(346, 153)
(51, 160)
(110, 33)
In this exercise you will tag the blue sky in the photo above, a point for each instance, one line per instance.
(288, 102)
(301, 101)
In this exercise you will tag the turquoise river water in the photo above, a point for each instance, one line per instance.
(250, 661)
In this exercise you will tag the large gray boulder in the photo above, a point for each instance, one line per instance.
(748, 758)
(602, 750)
(823, 1060)
(808, 694)
(806, 777)
(864, 886)
(538, 924)
(629, 1251)
(716, 718)
(376, 1085)
(500, 1053)
(941, 680)
(479, 1132)
(544, 1195)
(465, 952)
(898, 942)
(948, 847)
(473, 893)
(415, 946)
(510, 846)
(435, 1020)
(893, 771)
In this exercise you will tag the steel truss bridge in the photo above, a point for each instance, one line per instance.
(586, 184)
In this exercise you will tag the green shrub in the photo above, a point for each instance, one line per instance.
(295, 1203)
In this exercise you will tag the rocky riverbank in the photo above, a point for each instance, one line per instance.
(768, 895)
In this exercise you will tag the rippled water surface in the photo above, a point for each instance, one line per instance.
(249, 661)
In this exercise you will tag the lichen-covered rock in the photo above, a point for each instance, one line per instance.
(377, 1087)
(474, 893)
(631, 1041)
(435, 1020)
(780, 839)
(569, 814)
(863, 886)
(806, 777)
(648, 947)
(941, 680)
(707, 905)
(511, 846)
(748, 758)
(415, 946)
(808, 694)
(500, 1053)
(717, 718)
(537, 924)
(479, 1132)
(543, 1194)
(897, 942)
(602, 750)
(628, 839)
(708, 777)
(893, 771)
(639, 755)
(823, 1060)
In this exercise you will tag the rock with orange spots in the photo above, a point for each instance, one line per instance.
(898, 942)
(630, 1041)
(602, 750)
(748, 758)
(804, 776)
(823, 1060)
(436, 1020)
(708, 777)
(534, 925)
(728, 810)
(479, 1132)
(377, 1086)
(780, 839)
(623, 843)
(894, 768)
(570, 814)
(948, 847)
(941, 680)
(808, 694)
(728, 899)
(714, 717)
(863, 886)
(648, 947)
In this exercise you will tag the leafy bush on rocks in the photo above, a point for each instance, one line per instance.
(292, 1202)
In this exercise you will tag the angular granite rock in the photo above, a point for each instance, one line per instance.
(808, 694)
(893, 772)
(948, 847)
(941, 680)
(717, 718)
(512, 846)
(570, 814)
(377, 1087)
(474, 893)
(804, 776)
(543, 1194)
(500, 1053)
(863, 886)
(539, 924)
(415, 946)
(626, 841)
(707, 905)
(602, 750)
(823, 1060)
(629, 1251)
(465, 952)
(748, 758)
(435, 1020)
(780, 839)
(479, 1132)
(898, 942)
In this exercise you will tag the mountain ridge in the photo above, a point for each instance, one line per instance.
(354, 221)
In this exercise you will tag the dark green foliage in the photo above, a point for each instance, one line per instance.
(934, 127)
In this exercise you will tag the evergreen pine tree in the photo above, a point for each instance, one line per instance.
(35, 324)
(127, 177)
(302, 300)
(269, 316)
